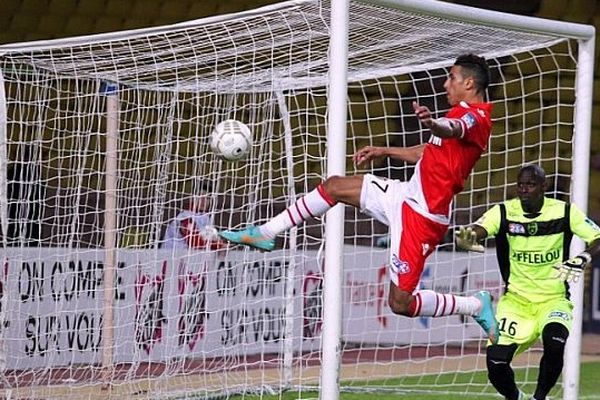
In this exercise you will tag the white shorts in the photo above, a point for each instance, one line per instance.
(382, 199)
(413, 236)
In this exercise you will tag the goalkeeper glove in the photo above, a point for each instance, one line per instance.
(571, 270)
(466, 239)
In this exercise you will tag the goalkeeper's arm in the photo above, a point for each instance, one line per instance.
(467, 238)
(572, 269)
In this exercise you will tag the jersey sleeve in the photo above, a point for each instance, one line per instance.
(490, 221)
(478, 133)
(582, 226)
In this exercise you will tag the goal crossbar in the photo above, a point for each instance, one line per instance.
(365, 37)
(492, 18)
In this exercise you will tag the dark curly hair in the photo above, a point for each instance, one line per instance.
(476, 67)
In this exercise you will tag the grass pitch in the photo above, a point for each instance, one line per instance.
(442, 387)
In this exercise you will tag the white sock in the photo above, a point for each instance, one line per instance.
(433, 304)
(314, 204)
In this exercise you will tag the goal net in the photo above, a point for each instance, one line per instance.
(105, 140)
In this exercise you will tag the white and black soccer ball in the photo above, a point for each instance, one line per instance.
(231, 140)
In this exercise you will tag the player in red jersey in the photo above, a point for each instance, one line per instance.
(417, 211)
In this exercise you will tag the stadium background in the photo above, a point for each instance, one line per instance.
(27, 20)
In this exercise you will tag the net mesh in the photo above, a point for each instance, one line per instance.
(195, 322)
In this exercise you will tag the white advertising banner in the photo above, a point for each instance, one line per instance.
(368, 319)
(53, 307)
(204, 305)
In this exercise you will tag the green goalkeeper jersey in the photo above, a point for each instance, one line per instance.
(529, 245)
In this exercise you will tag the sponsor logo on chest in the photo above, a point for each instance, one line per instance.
(531, 257)
(434, 140)
(520, 229)
(516, 228)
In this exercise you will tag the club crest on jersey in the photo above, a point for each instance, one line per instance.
(532, 228)
(399, 266)
(516, 228)
(469, 120)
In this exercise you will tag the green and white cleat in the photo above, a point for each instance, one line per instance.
(250, 237)
(486, 318)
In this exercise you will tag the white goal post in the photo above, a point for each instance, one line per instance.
(104, 139)
(585, 35)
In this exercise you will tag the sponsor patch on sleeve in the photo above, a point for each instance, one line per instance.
(559, 315)
(592, 224)
(469, 120)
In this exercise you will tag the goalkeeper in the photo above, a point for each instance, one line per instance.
(532, 233)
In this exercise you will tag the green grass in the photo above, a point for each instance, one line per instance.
(466, 385)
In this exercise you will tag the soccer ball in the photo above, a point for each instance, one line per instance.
(231, 140)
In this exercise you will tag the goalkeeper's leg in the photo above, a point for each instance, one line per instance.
(554, 337)
(500, 373)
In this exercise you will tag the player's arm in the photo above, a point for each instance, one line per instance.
(200, 237)
(440, 127)
(190, 234)
(407, 154)
(467, 238)
(572, 269)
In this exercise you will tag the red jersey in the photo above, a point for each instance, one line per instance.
(446, 163)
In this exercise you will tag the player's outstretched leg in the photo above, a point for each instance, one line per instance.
(314, 204)
(250, 236)
(485, 317)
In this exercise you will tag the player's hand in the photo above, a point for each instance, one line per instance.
(423, 114)
(571, 270)
(466, 239)
(369, 153)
